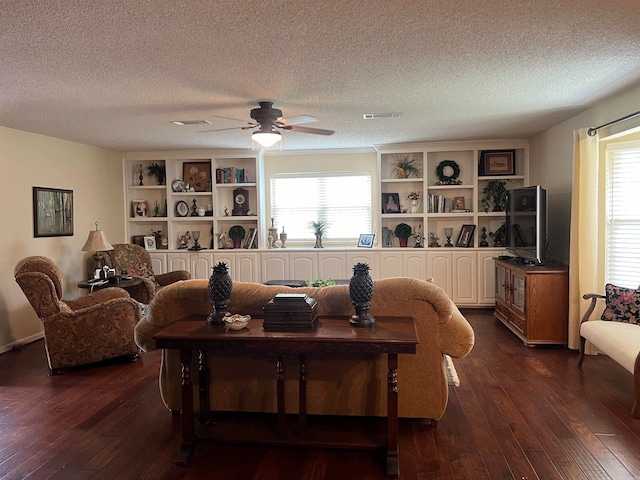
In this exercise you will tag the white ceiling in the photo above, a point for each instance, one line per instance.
(114, 73)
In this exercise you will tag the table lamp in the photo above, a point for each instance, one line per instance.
(97, 242)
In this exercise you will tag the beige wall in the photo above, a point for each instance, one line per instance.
(551, 161)
(94, 175)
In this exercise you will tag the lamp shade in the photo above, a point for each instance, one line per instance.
(97, 242)
(266, 139)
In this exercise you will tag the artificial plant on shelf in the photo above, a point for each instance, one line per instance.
(319, 228)
(403, 232)
(495, 191)
(237, 233)
(157, 170)
(404, 166)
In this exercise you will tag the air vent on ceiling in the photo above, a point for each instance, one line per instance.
(376, 116)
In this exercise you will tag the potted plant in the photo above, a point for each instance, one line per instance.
(404, 166)
(237, 233)
(403, 232)
(319, 227)
(157, 170)
(495, 191)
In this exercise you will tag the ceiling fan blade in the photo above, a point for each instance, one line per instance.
(317, 131)
(297, 120)
(244, 127)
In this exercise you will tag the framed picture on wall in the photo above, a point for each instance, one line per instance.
(52, 212)
(497, 162)
(197, 175)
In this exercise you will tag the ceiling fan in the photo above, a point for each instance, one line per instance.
(270, 121)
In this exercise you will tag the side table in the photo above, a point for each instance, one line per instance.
(124, 284)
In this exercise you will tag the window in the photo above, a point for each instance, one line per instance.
(623, 214)
(341, 198)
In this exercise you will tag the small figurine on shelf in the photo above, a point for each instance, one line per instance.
(226, 212)
(418, 236)
(182, 241)
(140, 177)
(224, 241)
(483, 236)
(433, 240)
(194, 208)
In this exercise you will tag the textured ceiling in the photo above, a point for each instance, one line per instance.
(114, 73)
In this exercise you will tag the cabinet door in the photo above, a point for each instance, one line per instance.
(332, 265)
(465, 286)
(228, 257)
(159, 263)
(486, 278)
(178, 261)
(391, 264)
(518, 293)
(501, 285)
(201, 265)
(275, 266)
(439, 269)
(368, 257)
(303, 266)
(246, 267)
(415, 263)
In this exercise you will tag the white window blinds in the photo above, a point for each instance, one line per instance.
(343, 199)
(623, 214)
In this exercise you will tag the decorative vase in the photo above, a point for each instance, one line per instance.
(318, 241)
(220, 286)
(497, 207)
(237, 243)
(361, 291)
(283, 238)
(403, 241)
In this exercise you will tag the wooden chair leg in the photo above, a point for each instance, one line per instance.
(583, 342)
(635, 410)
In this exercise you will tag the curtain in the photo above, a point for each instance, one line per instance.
(583, 250)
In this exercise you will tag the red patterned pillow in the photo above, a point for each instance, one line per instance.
(622, 304)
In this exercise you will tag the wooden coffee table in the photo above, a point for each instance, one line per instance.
(330, 336)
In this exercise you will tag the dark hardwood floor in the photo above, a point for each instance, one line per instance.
(519, 413)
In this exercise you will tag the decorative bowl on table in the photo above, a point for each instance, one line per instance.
(235, 321)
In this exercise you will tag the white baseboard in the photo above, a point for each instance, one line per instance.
(21, 342)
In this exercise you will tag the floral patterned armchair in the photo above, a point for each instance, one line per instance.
(96, 327)
(136, 261)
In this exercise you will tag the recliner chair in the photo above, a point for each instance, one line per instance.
(136, 261)
(93, 328)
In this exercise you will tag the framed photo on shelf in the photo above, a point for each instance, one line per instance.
(497, 162)
(366, 240)
(465, 239)
(52, 212)
(150, 242)
(390, 203)
(197, 175)
(139, 208)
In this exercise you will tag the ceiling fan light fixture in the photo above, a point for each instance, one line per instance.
(266, 139)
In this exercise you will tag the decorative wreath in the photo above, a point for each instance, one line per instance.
(447, 179)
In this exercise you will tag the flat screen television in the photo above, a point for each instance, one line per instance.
(526, 224)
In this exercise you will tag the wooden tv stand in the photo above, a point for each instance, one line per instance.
(533, 301)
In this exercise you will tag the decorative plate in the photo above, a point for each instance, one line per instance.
(177, 185)
(182, 209)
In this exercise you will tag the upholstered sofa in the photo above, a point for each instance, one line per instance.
(336, 385)
(136, 261)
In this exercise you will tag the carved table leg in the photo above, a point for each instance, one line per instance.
(203, 389)
(302, 394)
(188, 434)
(280, 393)
(393, 467)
